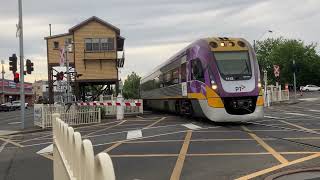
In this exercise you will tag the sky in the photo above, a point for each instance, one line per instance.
(155, 29)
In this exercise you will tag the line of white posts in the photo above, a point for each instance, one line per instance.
(74, 158)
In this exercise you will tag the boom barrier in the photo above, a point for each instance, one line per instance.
(74, 158)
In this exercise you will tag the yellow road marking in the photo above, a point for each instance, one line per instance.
(94, 125)
(266, 146)
(182, 155)
(37, 138)
(300, 127)
(120, 142)
(11, 142)
(88, 135)
(113, 146)
(274, 168)
(155, 123)
(207, 154)
(145, 155)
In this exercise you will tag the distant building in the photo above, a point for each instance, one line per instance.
(11, 91)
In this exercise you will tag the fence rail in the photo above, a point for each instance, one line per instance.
(74, 115)
(275, 96)
(74, 158)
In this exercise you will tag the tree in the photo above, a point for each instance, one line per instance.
(282, 52)
(131, 86)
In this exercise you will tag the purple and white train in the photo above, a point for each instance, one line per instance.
(217, 78)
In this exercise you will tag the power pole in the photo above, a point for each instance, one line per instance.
(2, 72)
(22, 98)
(294, 80)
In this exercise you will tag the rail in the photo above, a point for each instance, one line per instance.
(74, 158)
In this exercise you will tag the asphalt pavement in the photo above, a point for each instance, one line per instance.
(166, 146)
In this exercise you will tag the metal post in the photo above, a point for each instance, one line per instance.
(2, 72)
(265, 78)
(67, 71)
(50, 29)
(294, 81)
(22, 98)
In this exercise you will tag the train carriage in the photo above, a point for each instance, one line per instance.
(217, 78)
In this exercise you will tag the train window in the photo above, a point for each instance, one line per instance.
(175, 76)
(197, 70)
(183, 72)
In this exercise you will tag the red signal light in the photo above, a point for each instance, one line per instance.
(16, 77)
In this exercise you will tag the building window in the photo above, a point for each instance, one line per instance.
(95, 44)
(107, 44)
(103, 44)
(88, 43)
(55, 45)
(69, 40)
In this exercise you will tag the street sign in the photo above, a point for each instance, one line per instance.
(62, 57)
(62, 86)
(276, 70)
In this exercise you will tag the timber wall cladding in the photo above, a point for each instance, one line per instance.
(101, 65)
(54, 54)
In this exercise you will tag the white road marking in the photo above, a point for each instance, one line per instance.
(134, 134)
(309, 99)
(271, 117)
(3, 146)
(191, 126)
(298, 114)
(18, 122)
(48, 149)
(314, 110)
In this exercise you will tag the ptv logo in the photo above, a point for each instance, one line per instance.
(240, 88)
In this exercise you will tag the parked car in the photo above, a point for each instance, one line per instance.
(310, 88)
(6, 107)
(17, 104)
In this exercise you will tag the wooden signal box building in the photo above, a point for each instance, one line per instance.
(95, 45)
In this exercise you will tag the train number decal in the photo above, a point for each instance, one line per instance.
(240, 88)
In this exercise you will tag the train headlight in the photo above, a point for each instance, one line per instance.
(214, 87)
(259, 85)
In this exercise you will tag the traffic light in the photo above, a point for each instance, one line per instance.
(13, 63)
(29, 65)
(16, 77)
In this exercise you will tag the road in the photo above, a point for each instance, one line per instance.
(166, 146)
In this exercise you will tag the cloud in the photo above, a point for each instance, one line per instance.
(155, 30)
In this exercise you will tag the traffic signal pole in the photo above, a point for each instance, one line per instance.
(22, 96)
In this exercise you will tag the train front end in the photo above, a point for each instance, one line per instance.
(232, 77)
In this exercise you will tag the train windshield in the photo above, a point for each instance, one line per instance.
(233, 65)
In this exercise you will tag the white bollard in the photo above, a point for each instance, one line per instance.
(120, 109)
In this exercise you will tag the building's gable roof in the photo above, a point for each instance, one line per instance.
(96, 19)
(57, 36)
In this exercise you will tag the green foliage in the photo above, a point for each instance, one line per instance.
(131, 86)
(282, 52)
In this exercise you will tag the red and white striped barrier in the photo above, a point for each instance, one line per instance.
(128, 104)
